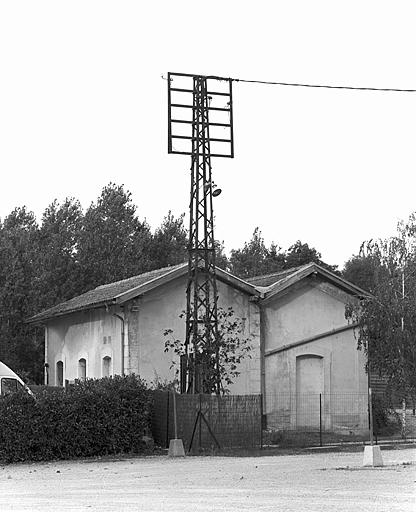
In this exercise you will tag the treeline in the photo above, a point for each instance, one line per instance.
(71, 251)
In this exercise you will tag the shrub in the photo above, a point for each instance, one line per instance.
(90, 418)
(385, 419)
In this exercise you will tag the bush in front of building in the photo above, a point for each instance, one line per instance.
(89, 418)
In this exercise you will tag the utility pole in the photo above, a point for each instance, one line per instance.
(192, 101)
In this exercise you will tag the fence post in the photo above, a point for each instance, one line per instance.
(175, 423)
(175, 445)
(167, 420)
(370, 407)
(261, 421)
(320, 419)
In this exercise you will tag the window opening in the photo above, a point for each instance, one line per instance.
(82, 369)
(106, 366)
(59, 373)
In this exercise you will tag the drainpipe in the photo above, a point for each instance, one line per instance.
(122, 341)
(263, 364)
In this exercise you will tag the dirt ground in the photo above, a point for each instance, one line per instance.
(307, 482)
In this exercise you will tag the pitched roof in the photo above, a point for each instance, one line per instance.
(273, 284)
(103, 294)
(121, 291)
(264, 287)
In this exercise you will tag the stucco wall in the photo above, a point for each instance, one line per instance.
(308, 312)
(160, 309)
(310, 309)
(91, 335)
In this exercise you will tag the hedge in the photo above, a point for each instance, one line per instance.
(90, 418)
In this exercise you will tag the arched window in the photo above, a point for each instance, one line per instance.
(59, 373)
(82, 369)
(106, 366)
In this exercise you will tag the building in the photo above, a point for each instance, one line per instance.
(304, 354)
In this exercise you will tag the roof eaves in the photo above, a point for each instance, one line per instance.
(342, 283)
(44, 316)
(237, 282)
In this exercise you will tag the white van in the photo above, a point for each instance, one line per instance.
(10, 382)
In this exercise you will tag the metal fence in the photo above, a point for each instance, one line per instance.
(317, 411)
(407, 423)
(325, 418)
(276, 419)
(315, 418)
(208, 421)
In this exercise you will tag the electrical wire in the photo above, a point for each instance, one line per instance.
(294, 84)
(324, 86)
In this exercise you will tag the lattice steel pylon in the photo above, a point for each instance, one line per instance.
(200, 372)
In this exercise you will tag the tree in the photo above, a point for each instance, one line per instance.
(216, 364)
(113, 243)
(169, 244)
(360, 270)
(255, 258)
(57, 266)
(221, 260)
(300, 254)
(19, 247)
(386, 320)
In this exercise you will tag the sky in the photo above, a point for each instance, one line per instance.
(83, 102)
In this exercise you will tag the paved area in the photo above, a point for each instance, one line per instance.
(307, 482)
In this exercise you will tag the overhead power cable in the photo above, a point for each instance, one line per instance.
(295, 84)
(324, 86)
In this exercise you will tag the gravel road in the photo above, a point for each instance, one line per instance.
(321, 482)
